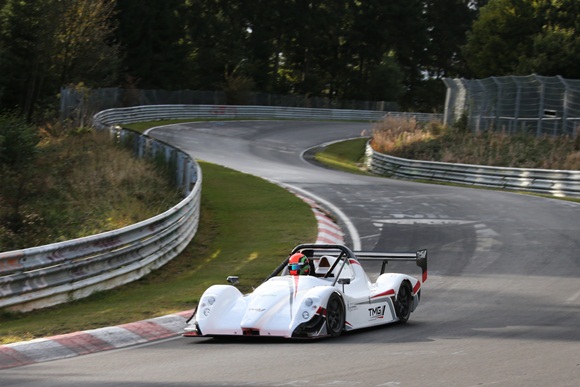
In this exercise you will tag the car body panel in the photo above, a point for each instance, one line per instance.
(296, 306)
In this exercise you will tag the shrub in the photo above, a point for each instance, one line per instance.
(18, 141)
(404, 137)
(80, 185)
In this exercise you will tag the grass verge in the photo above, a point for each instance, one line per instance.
(79, 185)
(346, 155)
(247, 226)
(406, 137)
(143, 126)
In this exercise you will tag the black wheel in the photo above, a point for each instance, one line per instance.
(335, 315)
(404, 302)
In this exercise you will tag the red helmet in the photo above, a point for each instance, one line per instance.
(298, 264)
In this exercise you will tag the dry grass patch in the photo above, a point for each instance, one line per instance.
(80, 185)
(405, 137)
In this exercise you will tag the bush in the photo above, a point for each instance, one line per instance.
(404, 137)
(18, 141)
(79, 185)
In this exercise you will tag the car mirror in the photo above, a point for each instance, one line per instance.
(343, 281)
(233, 279)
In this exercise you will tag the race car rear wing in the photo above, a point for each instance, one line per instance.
(420, 256)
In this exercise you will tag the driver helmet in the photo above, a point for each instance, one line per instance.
(298, 264)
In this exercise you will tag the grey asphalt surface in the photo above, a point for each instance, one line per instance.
(501, 306)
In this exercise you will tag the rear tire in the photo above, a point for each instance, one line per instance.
(335, 315)
(404, 302)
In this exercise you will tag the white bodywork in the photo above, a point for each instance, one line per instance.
(296, 306)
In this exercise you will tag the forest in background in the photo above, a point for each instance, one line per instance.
(396, 50)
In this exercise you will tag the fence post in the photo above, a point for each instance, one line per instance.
(541, 108)
(565, 106)
(447, 107)
(518, 102)
(472, 105)
(498, 102)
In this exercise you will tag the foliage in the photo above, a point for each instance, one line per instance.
(340, 49)
(449, 21)
(522, 37)
(18, 151)
(152, 40)
(50, 43)
(18, 141)
(371, 50)
(80, 185)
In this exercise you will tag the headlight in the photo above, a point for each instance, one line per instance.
(308, 302)
(206, 312)
(211, 300)
(305, 315)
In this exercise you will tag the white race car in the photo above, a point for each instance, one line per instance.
(335, 295)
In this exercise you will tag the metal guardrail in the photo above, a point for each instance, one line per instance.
(558, 183)
(48, 275)
(165, 112)
(75, 101)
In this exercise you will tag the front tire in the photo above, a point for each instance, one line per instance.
(335, 315)
(404, 302)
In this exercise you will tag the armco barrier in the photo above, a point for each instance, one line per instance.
(47, 275)
(552, 182)
(162, 112)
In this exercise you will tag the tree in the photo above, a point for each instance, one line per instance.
(502, 34)
(216, 33)
(18, 142)
(49, 43)
(448, 22)
(556, 47)
(373, 49)
(519, 37)
(83, 50)
(152, 36)
(340, 49)
(26, 37)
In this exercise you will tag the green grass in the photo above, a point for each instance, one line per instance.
(143, 126)
(247, 227)
(346, 156)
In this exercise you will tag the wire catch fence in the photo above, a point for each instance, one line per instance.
(515, 104)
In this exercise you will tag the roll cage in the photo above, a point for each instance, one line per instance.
(343, 255)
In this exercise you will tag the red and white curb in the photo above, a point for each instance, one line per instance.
(90, 341)
(102, 339)
(328, 231)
